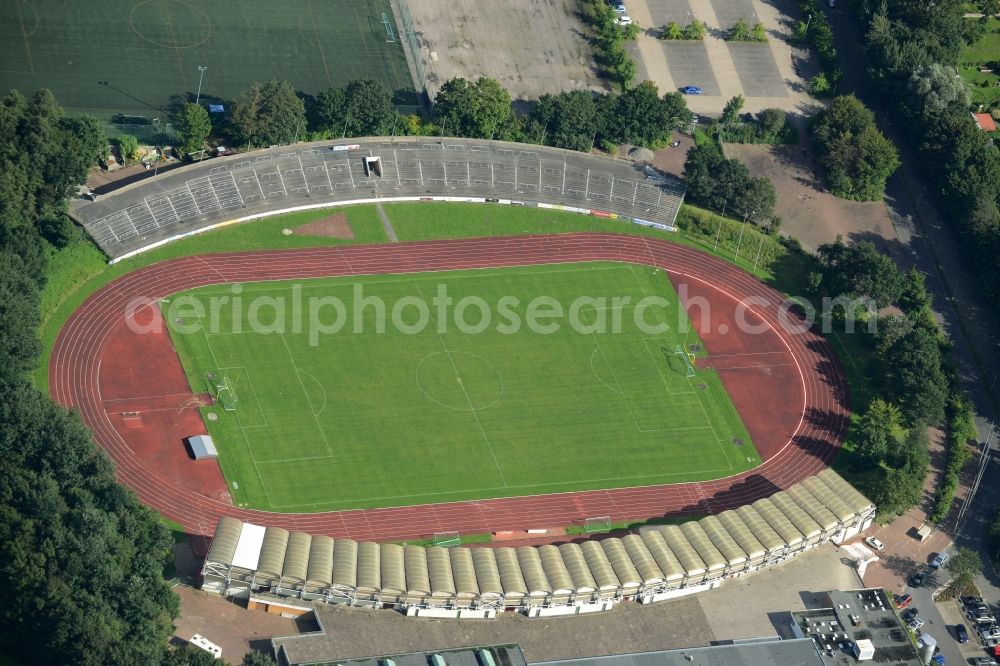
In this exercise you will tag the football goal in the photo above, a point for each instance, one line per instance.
(225, 393)
(688, 359)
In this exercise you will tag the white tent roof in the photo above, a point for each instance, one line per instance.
(202, 446)
(248, 547)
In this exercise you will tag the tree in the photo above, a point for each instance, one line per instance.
(330, 110)
(129, 146)
(246, 115)
(269, 114)
(258, 659)
(567, 120)
(19, 319)
(731, 112)
(989, 7)
(81, 561)
(739, 32)
(193, 125)
(877, 430)
(860, 270)
(480, 110)
(898, 482)
(771, 124)
(695, 30)
(672, 30)
(936, 90)
(819, 85)
(643, 118)
(369, 110)
(917, 380)
(964, 565)
(858, 159)
(45, 156)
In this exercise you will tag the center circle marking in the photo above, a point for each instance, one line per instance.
(158, 21)
(459, 380)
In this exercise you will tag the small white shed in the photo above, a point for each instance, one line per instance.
(202, 447)
(864, 650)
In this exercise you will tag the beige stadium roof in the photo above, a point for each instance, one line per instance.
(778, 521)
(830, 499)
(666, 554)
(744, 536)
(723, 540)
(810, 528)
(846, 491)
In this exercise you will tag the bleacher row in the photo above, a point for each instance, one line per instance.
(336, 172)
(648, 566)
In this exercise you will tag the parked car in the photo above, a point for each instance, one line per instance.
(692, 90)
(984, 661)
(875, 543)
(917, 579)
(971, 601)
(915, 624)
(983, 617)
(625, 19)
(939, 560)
(903, 601)
(910, 613)
(988, 631)
(620, 7)
(961, 633)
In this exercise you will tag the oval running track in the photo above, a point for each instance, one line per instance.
(75, 368)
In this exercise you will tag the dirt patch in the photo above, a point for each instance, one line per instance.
(808, 211)
(530, 47)
(335, 226)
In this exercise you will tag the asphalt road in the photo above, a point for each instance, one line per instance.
(932, 247)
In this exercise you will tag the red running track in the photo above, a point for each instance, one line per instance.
(814, 393)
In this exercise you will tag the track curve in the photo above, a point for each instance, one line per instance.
(75, 365)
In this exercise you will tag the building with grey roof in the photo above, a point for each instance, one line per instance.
(856, 616)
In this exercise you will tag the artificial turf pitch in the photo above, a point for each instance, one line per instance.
(372, 419)
(136, 57)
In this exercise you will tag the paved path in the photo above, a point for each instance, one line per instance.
(389, 231)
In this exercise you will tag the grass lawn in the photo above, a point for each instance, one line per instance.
(367, 419)
(983, 86)
(159, 46)
(986, 48)
(80, 269)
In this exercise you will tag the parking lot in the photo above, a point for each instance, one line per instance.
(767, 75)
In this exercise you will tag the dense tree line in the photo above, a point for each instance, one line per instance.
(961, 431)
(909, 375)
(81, 561)
(912, 47)
(578, 120)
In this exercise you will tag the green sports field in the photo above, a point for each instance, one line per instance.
(147, 52)
(432, 414)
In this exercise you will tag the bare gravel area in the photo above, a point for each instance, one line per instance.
(531, 47)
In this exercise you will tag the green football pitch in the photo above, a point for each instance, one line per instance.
(134, 57)
(439, 412)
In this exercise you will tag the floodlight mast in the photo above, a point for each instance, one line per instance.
(201, 77)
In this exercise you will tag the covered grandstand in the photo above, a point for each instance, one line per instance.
(661, 562)
(255, 184)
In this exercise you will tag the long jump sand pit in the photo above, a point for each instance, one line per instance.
(531, 47)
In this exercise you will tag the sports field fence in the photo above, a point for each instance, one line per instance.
(411, 47)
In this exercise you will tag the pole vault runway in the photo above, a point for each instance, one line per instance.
(787, 385)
